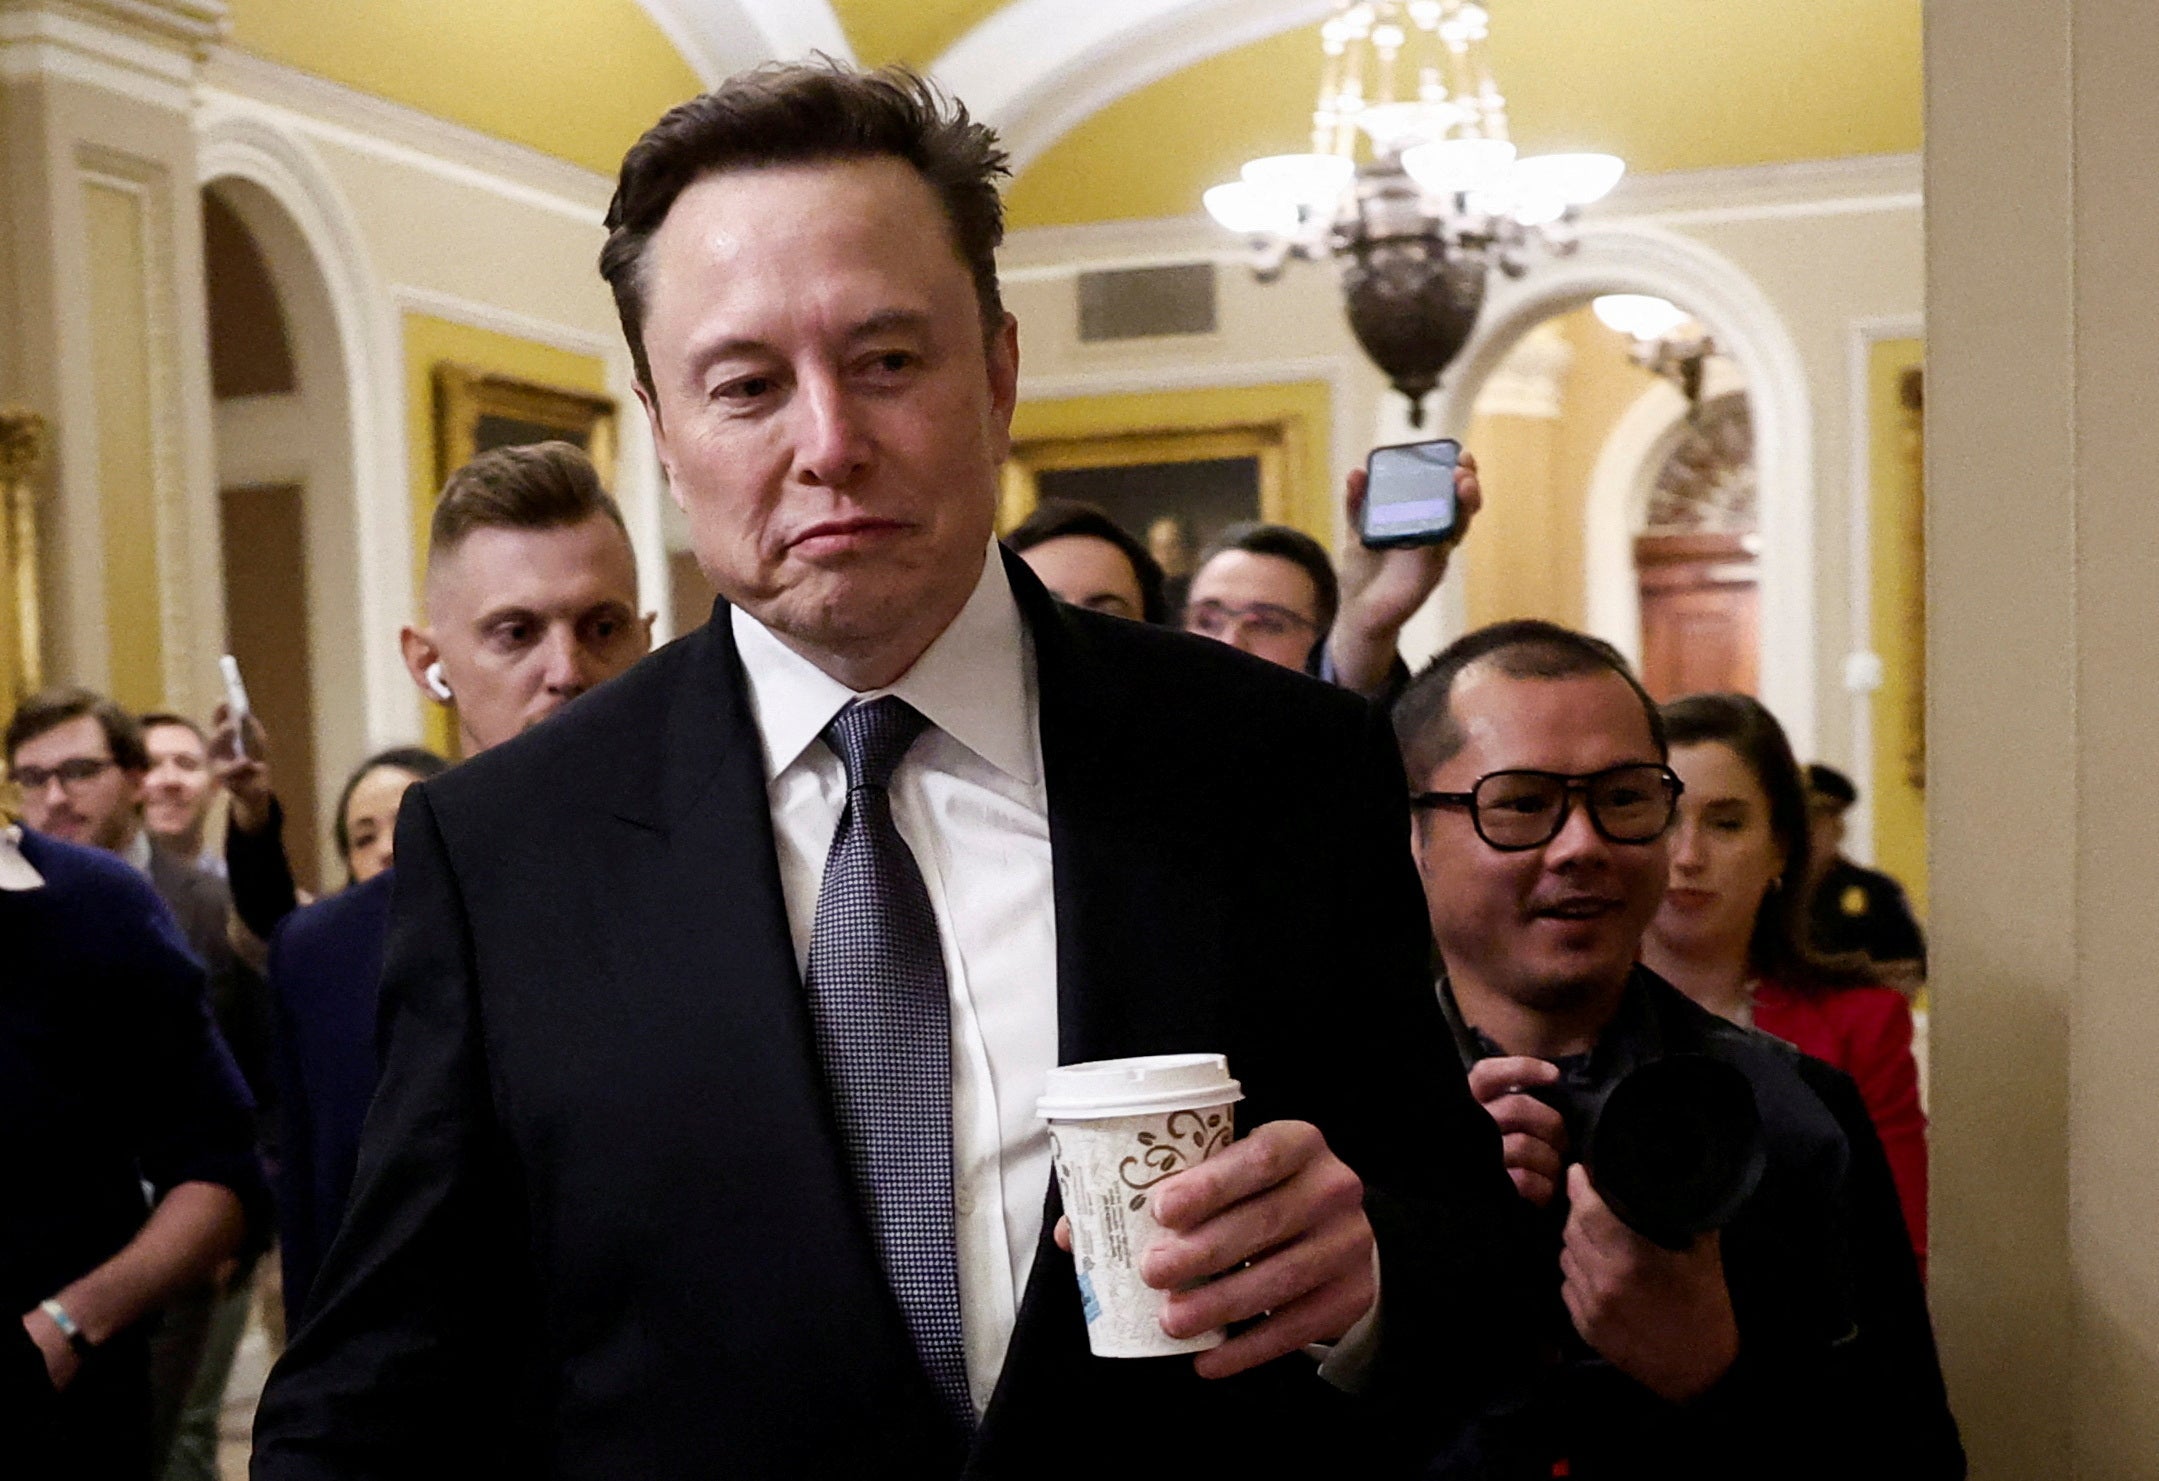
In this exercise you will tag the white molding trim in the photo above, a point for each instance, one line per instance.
(1528, 382)
(1864, 334)
(795, 28)
(498, 320)
(56, 43)
(331, 113)
(173, 525)
(1036, 69)
(1694, 197)
(1619, 486)
(244, 140)
(1638, 259)
(721, 37)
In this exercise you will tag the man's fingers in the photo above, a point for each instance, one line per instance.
(1353, 495)
(1534, 1187)
(1490, 1079)
(1272, 1154)
(1062, 1234)
(1339, 1251)
(1316, 1196)
(1322, 1316)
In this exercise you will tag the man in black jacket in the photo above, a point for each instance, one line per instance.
(1789, 1340)
(845, 874)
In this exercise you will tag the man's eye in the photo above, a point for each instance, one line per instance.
(748, 388)
(893, 362)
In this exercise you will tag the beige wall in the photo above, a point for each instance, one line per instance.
(2043, 564)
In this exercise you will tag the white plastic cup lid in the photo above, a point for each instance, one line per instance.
(1137, 1087)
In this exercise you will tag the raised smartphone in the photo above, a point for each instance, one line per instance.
(1409, 494)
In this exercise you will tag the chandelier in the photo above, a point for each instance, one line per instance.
(1663, 338)
(1439, 198)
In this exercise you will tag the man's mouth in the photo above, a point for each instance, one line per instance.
(839, 534)
(1578, 907)
(1689, 899)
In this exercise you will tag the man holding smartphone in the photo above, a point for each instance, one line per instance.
(1270, 590)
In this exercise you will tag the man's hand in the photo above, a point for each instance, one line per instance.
(245, 778)
(1382, 589)
(1533, 1136)
(61, 1360)
(1288, 1212)
(1663, 1317)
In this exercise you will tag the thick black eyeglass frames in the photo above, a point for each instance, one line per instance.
(1521, 809)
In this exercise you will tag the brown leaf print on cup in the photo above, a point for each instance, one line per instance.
(1189, 1138)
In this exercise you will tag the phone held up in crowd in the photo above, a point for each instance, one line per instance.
(1409, 494)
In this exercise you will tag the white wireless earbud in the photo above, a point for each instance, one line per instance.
(437, 685)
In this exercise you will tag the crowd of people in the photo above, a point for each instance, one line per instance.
(655, 1094)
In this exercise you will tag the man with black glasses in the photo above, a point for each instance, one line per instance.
(1787, 1334)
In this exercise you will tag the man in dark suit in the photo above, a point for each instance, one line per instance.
(717, 1007)
(531, 601)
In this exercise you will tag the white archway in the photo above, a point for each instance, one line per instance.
(1036, 69)
(1640, 259)
(345, 345)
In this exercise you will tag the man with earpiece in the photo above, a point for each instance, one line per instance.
(531, 600)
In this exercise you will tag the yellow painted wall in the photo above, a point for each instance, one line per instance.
(430, 342)
(120, 357)
(578, 79)
(1897, 512)
(1303, 408)
(912, 31)
(1666, 84)
(1525, 555)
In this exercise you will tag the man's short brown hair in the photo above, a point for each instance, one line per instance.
(532, 486)
(802, 113)
(49, 709)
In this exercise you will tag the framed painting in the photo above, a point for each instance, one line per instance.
(479, 410)
(1174, 490)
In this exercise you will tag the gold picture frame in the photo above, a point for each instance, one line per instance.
(479, 410)
(22, 642)
(1273, 446)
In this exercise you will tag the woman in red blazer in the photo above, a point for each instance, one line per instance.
(1731, 931)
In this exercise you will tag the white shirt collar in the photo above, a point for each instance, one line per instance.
(16, 872)
(974, 683)
(137, 851)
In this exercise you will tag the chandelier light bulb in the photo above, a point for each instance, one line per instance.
(1448, 167)
(1570, 179)
(1244, 208)
(1642, 317)
(1314, 181)
(1394, 127)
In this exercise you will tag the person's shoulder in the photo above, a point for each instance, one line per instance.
(69, 868)
(335, 915)
(591, 740)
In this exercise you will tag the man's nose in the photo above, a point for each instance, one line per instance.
(831, 447)
(1686, 846)
(568, 667)
(1578, 838)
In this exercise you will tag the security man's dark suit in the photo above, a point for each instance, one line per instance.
(603, 1228)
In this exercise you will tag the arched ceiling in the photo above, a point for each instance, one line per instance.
(1129, 108)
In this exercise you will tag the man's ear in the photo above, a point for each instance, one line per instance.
(650, 618)
(1004, 367)
(420, 654)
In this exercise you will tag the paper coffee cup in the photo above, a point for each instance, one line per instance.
(1118, 1127)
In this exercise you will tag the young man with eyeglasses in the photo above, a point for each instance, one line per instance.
(1792, 1340)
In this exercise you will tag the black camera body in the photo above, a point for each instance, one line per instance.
(1674, 1146)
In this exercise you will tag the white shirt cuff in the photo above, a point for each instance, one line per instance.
(1347, 1363)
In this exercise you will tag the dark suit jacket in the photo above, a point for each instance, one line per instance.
(602, 1227)
(239, 998)
(325, 976)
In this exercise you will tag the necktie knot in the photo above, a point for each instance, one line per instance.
(871, 738)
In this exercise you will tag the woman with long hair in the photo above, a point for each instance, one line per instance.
(1731, 933)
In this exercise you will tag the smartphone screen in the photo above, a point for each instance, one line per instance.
(1409, 493)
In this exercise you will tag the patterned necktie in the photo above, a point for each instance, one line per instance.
(876, 985)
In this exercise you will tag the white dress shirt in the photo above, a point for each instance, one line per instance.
(969, 800)
(16, 872)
